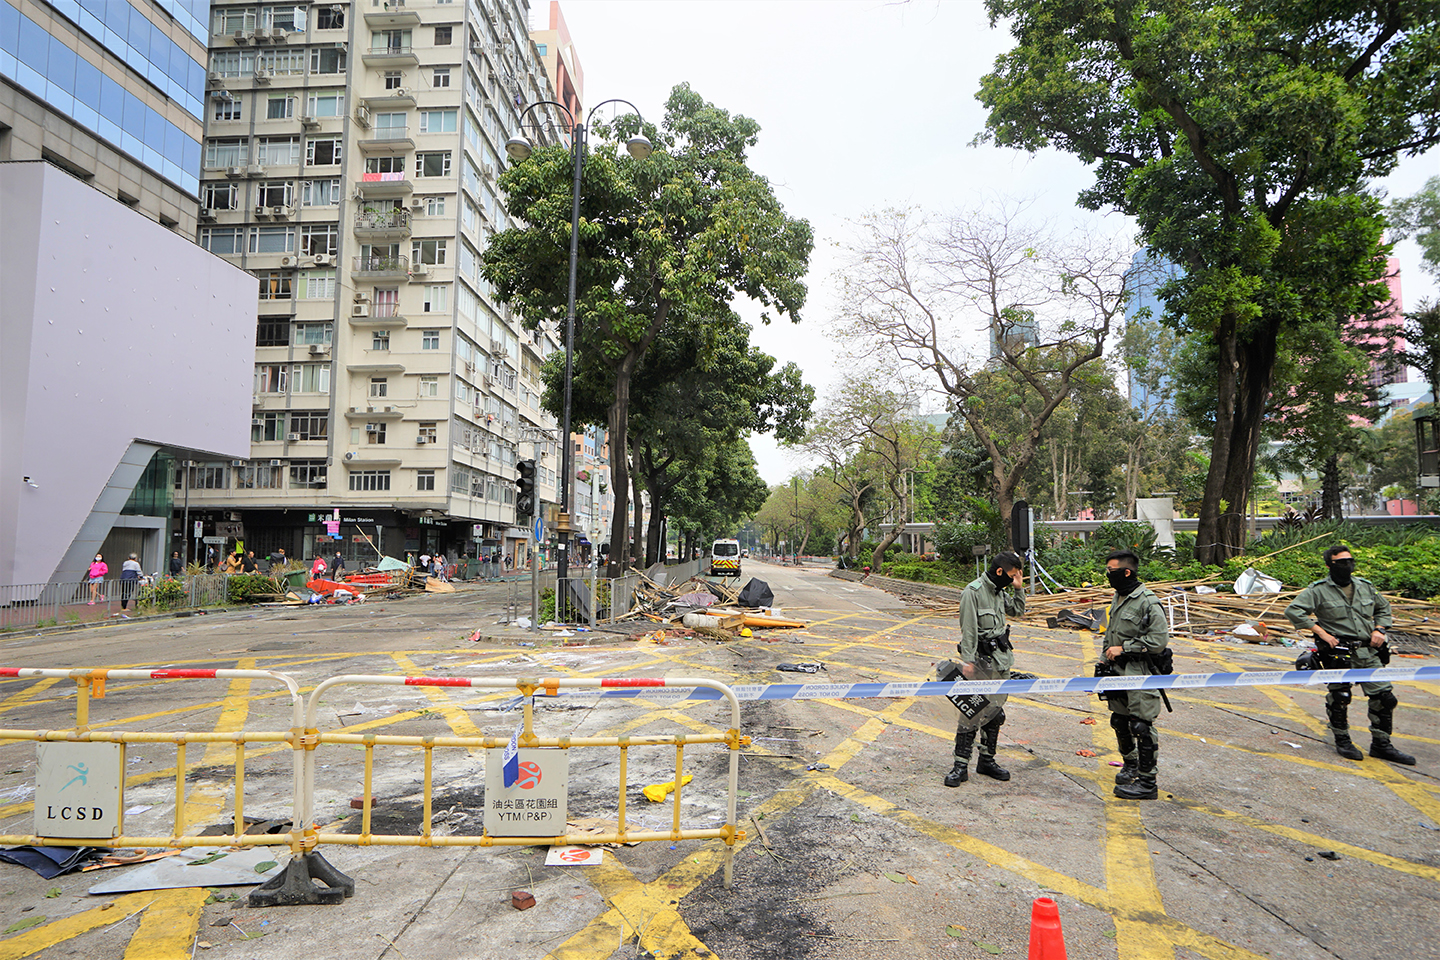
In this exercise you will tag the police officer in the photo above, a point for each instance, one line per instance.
(1344, 610)
(1136, 633)
(985, 649)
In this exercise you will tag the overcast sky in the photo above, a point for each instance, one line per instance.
(862, 105)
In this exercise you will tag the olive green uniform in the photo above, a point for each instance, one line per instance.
(1350, 616)
(1136, 624)
(983, 612)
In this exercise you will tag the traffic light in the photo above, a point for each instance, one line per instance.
(525, 488)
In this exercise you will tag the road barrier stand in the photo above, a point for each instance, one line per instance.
(538, 763)
(81, 772)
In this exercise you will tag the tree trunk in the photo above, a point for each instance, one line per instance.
(1242, 389)
(619, 425)
(1330, 506)
(639, 501)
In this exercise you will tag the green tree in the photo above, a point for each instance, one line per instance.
(1422, 336)
(1236, 134)
(1419, 215)
(672, 239)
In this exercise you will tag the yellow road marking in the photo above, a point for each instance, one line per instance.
(166, 929)
(458, 720)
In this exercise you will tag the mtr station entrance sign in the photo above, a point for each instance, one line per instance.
(79, 789)
(535, 804)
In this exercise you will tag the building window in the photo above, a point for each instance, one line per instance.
(319, 284)
(379, 387)
(327, 60)
(208, 476)
(390, 41)
(437, 298)
(257, 476)
(393, 79)
(365, 480)
(435, 206)
(311, 425)
(330, 17)
(380, 340)
(441, 77)
(375, 432)
(272, 239)
(276, 193)
(437, 121)
(230, 20)
(270, 377)
(313, 377)
(281, 63)
(219, 196)
(387, 301)
(233, 63)
(313, 332)
(270, 427)
(429, 432)
(222, 240)
(424, 479)
(429, 387)
(275, 285)
(277, 150)
(320, 193)
(429, 339)
(307, 473)
(428, 251)
(272, 333)
(442, 36)
(433, 164)
(326, 103)
(232, 152)
(227, 110)
(384, 164)
(319, 238)
(323, 152)
(280, 108)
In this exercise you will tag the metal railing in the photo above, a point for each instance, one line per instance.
(395, 265)
(36, 605)
(386, 219)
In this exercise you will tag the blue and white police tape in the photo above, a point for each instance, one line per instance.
(1044, 685)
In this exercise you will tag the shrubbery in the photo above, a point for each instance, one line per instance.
(164, 594)
(252, 588)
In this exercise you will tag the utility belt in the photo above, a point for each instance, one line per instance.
(1157, 664)
(987, 647)
(1339, 657)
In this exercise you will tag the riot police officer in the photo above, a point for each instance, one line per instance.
(1348, 617)
(986, 653)
(1137, 640)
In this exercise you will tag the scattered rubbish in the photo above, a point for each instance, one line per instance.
(1085, 753)
(25, 924)
(800, 667)
(746, 632)
(1116, 763)
(1093, 620)
(955, 931)
(18, 794)
(357, 803)
(522, 899)
(656, 792)
(49, 862)
(1428, 826)
(194, 868)
(1088, 721)
(523, 623)
(139, 808)
(1253, 582)
(818, 766)
(1309, 859)
(1258, 630)
(574, 857)
(756, 593)
(1289, 744)
(595, 827)
(1329, 854)
(120, 858)
(901, 878)
(1203, 590)
(475, 637)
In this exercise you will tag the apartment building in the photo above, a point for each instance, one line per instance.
(350, 158)
(112, 92)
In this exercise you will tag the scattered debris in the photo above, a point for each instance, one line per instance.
(1329, 854)
(574, 857)
(522, 900)
(1085, 753)
(195, 868)
(50, 862)
(800, 667)
(1088, 721)
(657, 792)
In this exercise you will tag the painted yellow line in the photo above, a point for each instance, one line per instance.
(179, 910)
(458, 720)
(22, 698)
(167, 930)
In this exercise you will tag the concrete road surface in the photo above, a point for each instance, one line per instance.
(1264, 843)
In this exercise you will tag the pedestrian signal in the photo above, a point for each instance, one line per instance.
(525, 488)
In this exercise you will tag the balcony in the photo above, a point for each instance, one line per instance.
(388, 223)
(376, 411)
(388, 140)
(382, 316)
(392, 56)
(384, 185)
(397, 98)
(394, 14)
(381, 268)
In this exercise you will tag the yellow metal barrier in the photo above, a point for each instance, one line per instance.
(313, 739)
(91, 683)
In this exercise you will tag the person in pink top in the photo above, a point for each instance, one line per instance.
(98, 569)
(317, 569)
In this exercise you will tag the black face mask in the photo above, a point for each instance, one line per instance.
(1000, 578)
(1342, 571)
(1122, 580)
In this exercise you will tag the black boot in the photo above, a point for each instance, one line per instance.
(1346, 747)
(1120, 723)
(1382, 715)
(1144, 786)
(1337, 709)
(964, 741)
(989, 740)
(1379, 749)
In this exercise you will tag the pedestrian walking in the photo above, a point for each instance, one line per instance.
(210, 559)
(317, 569)
(248, 563)
(337, 565)
(129, 579)
(425, 562)
(986, 654)
(440, 567)
(177, 566)
(96, 576)
(1137, 641)
(1348, 618)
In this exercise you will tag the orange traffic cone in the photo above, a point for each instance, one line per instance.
(1046, 940)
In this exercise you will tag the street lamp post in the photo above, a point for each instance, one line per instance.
(519, 148)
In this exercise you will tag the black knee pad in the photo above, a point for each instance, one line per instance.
(1141, 729)
(997, 720)
(1119, 721)
(1386, 700)
(1342, 693)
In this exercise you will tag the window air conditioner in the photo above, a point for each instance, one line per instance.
(216, 80)
(280, 211)
(206, 213)
(237, 463)
(359, 310)
(399, 92)
(292, 437)
(319, 349)
(256, 422)
(262, 33)
(255, 170)
(261, 76)
(362, 115)
(242, 37)
(233, 172)
(262, 211)
(322, 259)
(274, 463)
(350, 455)
(309, 121)
(360, 297)
(287, 261)
(418, 203)
(422, 440)
(419, 269)
(280, 35)
(372, 428)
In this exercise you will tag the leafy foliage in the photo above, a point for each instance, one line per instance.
(252, 587)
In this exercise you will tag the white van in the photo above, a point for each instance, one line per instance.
(725, 558)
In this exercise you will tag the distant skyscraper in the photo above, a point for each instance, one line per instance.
(111, 91)
(1144, 278)
(1016, 330)
(1380, 333)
